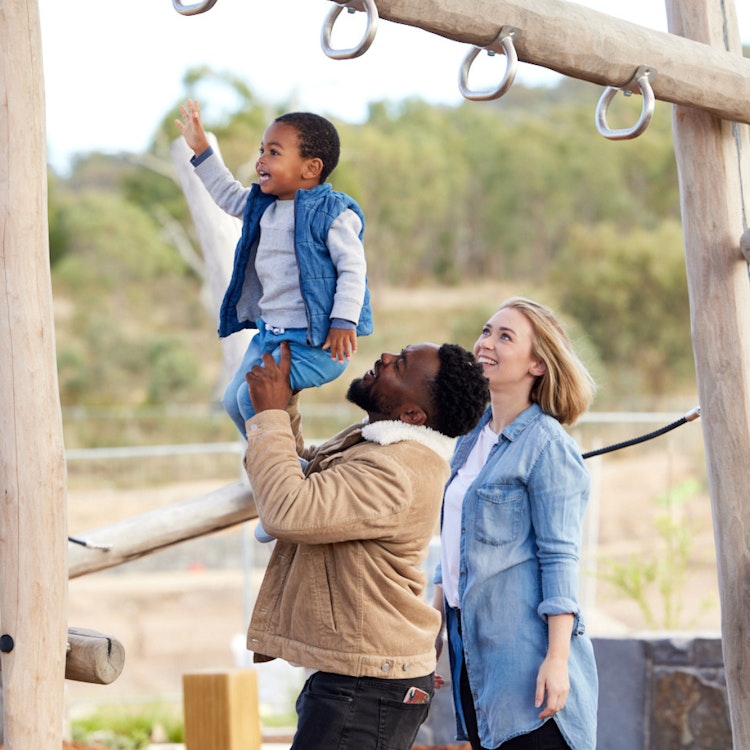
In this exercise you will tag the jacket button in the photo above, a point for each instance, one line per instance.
(406, 666)
(385, 667)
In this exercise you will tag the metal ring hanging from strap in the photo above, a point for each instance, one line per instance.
(364, 44)
(194, 9)
(639, 81)
(505, 41)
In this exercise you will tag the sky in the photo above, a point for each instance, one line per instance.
(112, 70)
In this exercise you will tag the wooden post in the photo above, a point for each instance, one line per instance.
(221, 710)
(713, 158)
(33, 570)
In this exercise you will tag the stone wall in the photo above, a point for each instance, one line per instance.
(662, 693)
(665, 692)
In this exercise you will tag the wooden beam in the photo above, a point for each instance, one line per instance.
(33, 569)
(713, 159)
(583, 43)
(158, 529)
(93, 657)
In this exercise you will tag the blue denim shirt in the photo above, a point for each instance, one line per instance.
(520, 537)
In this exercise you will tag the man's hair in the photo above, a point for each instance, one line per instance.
(318, 139)
(459, 393)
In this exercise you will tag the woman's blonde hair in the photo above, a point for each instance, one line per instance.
(566, 389)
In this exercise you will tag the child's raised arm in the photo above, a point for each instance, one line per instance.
(191, 126)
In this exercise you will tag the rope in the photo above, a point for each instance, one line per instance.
(689, 417)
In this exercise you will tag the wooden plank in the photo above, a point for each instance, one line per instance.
(713, 159)
(33, 574)
(583, 43)
(221, 710)
(161, 528)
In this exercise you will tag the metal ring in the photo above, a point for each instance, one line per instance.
(504, 38)
(364, 44)
(642, 82)
(194, 9)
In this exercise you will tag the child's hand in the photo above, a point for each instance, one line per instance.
(342, 343)
(191, 127)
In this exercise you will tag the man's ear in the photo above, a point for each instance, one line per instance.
(312, 168)
(413, 414)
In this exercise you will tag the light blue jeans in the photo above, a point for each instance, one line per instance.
(311, 366)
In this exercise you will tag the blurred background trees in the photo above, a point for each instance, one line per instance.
(521, 194)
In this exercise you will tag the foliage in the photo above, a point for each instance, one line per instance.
(521, 192)
(119, 292)
(628, 289)
(118, 726)
(663, 569)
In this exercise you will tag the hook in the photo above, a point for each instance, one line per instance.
(194, 9)
(505, 40)
(640, 81)
(364, 44)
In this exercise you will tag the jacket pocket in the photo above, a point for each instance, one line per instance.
(499, 513)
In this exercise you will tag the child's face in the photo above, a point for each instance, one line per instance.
(281, 169)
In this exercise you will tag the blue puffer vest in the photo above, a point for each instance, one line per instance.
(314, 212)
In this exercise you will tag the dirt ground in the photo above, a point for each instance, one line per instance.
(181, 610)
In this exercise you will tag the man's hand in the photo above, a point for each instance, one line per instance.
(269, 384)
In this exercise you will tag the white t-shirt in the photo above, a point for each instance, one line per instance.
(450, 535)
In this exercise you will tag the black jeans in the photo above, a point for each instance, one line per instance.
(337, 712)
(547, 737)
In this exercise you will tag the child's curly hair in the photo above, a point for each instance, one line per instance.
(318, 139)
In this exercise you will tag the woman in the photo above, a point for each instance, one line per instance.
(523, 672)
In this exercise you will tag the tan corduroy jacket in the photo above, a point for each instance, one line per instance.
(344, 589)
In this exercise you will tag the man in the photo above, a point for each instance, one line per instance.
(343, 592)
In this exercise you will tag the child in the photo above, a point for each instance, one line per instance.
(299, 267)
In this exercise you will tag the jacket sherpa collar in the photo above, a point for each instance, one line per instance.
(385, 432)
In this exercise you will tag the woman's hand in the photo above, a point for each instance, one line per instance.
(553, 683)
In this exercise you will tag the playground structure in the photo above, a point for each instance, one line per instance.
(697, 66)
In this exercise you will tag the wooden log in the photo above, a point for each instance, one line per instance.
(161, 528)
(713, 159)
(221, 710)
(583, 43)
(33, 573)
(92, 657)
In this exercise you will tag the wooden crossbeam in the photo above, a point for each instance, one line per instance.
(583, 43)
(158, 529)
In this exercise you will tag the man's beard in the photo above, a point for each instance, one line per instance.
(360, 394)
